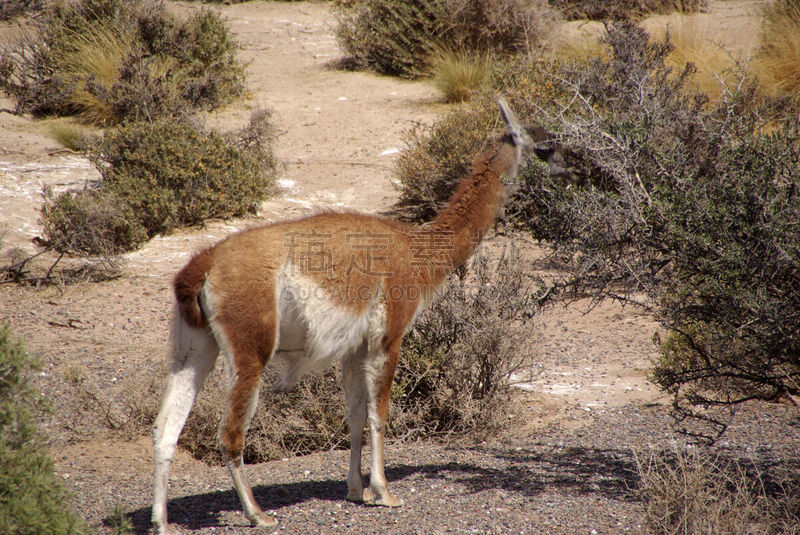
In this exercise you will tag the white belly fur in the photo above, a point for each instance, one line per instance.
(314, 332)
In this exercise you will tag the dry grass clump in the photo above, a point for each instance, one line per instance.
(106, 61)
(778, 59)
(93, 59)
(460, 73)
(399, 37)
(698, 492)
(613, 9)
(71, 135)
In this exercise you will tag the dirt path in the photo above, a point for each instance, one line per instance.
(583, 401)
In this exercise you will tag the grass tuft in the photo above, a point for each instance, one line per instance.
(69, 134)
(778, 60)
(93, 58)
(704, 493)
(458, 74)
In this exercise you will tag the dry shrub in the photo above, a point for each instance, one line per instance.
(778, 59)
(114, 60)
(439, 156)
(700, 216)
(688, 207)
(391, 36)
(699, 492)
(503, 26)
(309, 418)
(399, 37)
(453, 375)
(13, 8)
(613, 9)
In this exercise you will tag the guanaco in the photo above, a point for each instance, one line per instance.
(307, 292)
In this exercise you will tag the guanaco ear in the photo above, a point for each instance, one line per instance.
(518, 133)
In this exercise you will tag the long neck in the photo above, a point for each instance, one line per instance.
(473, 208)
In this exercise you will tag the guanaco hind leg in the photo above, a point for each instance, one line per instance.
(194, 354)
(244, 384)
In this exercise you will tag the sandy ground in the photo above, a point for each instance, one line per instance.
(339, 135)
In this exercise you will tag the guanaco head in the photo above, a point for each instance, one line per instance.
(530, 140)
(520, 136)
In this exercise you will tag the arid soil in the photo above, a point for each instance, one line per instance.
(583, 403)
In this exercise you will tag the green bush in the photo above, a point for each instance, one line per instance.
(111, 60)
(31, 498)
(91, 222)
(391, 37)
(399, 37)
(157, 176)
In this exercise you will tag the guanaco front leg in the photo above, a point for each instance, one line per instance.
(379, 392)
(355, 391)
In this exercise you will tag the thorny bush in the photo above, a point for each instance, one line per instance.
(699, 218)
(683, 205)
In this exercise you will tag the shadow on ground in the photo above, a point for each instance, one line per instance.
(527, 472)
